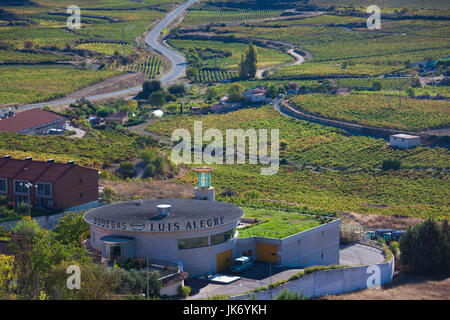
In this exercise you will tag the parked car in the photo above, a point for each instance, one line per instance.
(241, 264)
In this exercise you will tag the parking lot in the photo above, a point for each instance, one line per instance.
(263, 273)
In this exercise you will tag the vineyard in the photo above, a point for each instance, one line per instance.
(373, 110)
(214, 76)
(98, 149)
(386, 83)
(196, 17)
(151, 67)
(28, 84)
(107, 48)
(326, 170)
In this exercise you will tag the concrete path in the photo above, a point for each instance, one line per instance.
(79, 133)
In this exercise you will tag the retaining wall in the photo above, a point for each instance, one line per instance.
(328, 282)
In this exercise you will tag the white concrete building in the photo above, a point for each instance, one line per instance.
(404, 140)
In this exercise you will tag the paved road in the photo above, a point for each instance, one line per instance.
(152, 40)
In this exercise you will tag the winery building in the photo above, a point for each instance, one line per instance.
(201, 235)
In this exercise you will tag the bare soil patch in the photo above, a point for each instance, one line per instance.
(374, 221)
(404, 287)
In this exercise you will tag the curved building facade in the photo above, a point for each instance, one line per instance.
(198, 234)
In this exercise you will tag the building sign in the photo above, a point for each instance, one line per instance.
(159, 226)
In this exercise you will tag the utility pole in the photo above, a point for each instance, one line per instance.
(148, 288)
(389, 101)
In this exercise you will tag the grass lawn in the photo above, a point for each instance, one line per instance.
(279, 225)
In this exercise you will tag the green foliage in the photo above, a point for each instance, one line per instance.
(394, 164)
(248, 64)
(184, 291)
(288, 295)
(157, 98)
(376, 85)
(127, 169)
(150, 86)
(425, 248)
(71, 229)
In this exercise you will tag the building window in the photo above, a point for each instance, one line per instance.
(222, 237)
(21, 199)
(3, 186)
(20, 187)
(193, 243)
(44, 189)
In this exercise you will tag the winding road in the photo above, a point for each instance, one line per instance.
(152, 39)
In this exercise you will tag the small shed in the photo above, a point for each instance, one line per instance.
(404, 140)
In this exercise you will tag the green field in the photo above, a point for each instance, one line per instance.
(28, 84)
(326, 170)
(373, 110)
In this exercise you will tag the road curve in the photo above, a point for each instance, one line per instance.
(152, 39)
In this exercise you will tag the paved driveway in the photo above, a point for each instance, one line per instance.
(263, 273)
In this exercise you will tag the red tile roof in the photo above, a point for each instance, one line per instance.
(28, 119)
(33, 170)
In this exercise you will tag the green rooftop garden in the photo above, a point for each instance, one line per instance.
(277, 224)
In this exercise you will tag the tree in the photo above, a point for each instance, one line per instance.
(150, 86)
(71, 229)
(211, 93)
(376, 86)
(248, 63)
(410, 92)
(192, 72)
(235, 92)
(157, 98)
(425, 248)
(127, 169)
(394, 164)
(98, 282)
(177, 89)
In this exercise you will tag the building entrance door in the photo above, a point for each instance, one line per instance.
(267, 252)
(116, 253)
(223, 260)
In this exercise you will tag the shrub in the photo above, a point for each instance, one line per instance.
(177, 89)
(425, 248)
(127, 169)
(391, 164)
(410, 92)
(288, 295)
(376, 85)
(184, 291)
(150, 86)
(157, 98)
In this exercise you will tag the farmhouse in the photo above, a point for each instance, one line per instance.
(200, 234)
(404, 140)
(255, 95)
(48, 185)
(34, 121)
(118, 117)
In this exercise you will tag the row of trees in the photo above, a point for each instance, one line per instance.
(157, 95)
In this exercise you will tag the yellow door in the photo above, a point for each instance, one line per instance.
(267, 252)
(223, 260)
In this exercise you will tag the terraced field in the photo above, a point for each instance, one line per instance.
(197, 17)
(325, 170)
(373, 110)
(28, 84)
